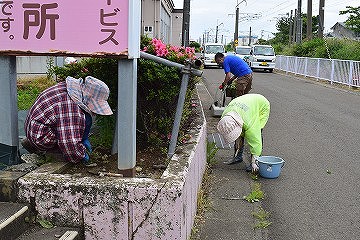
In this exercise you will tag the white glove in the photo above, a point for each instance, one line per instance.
(254, 166)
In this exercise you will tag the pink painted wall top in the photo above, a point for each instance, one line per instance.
(49, 26)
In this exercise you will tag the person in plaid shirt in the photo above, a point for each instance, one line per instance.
(61, 118)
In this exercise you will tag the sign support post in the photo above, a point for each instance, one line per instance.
(126, 117)
(9, 137)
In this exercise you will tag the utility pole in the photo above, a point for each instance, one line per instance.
(299, 24)
(295, 23)
(309, 20)
(186, 23)
(249, 37)
(216, 32)
(290, 27)
(321, 19)
(236, 34)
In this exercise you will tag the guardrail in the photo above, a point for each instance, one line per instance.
(345, 72)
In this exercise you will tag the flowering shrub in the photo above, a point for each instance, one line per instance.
(173, 53)
(158, 87)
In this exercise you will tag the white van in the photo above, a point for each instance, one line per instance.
(208, 53)
(262, 57)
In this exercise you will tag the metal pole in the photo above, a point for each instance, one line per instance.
(236, 35)
(350, 80)
(250, 37)
(186, 23)
(309, 20)
(321, 19)
(290, 27)
(166, 62)
(179, 110)
(124, 142)
(9, 135)
(216, 34)
(295, 28)
(299, 24)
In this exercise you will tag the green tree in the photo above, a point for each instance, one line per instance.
(229, 47)
(353, 21)
(283, 27)
(262, 41)
(195, 45)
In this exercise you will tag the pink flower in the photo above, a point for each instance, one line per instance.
(179, 55)
(174, 49)
(189, 50)
(174, 53)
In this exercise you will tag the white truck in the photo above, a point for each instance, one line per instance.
(208, 53)
(262, 57)
(243, 52)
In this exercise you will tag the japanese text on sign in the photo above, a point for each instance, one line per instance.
(101, 26)
(6, 12)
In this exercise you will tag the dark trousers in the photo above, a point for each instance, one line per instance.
(243, 84)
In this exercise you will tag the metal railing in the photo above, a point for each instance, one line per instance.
(345, 72)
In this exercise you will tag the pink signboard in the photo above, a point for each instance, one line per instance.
(79, 27)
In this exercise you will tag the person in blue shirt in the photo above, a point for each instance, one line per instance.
(236, 69)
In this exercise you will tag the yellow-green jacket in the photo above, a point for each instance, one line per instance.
(254, 110)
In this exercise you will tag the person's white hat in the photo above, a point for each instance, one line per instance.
(230, 126)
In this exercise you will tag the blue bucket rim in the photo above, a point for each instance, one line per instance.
(272, 163)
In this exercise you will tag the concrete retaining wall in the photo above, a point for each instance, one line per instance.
(123, 208)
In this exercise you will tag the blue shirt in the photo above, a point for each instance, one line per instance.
(236, 66)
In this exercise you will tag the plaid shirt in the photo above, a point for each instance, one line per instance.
(55, 121)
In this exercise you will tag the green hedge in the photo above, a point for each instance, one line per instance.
(338, 48)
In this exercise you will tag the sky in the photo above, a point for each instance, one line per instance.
(205, 15)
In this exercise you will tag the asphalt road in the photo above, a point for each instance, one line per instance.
(315, 128)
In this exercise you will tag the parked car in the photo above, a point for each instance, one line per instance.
(208, 52)
(262, 57)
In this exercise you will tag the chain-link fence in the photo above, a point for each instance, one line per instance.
(345, 72)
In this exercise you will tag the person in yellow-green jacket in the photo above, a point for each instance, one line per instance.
(244, 118)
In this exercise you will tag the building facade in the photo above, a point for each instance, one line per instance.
(159, 19)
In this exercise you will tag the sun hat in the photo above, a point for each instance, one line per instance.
(90, 94)
(230, 126)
